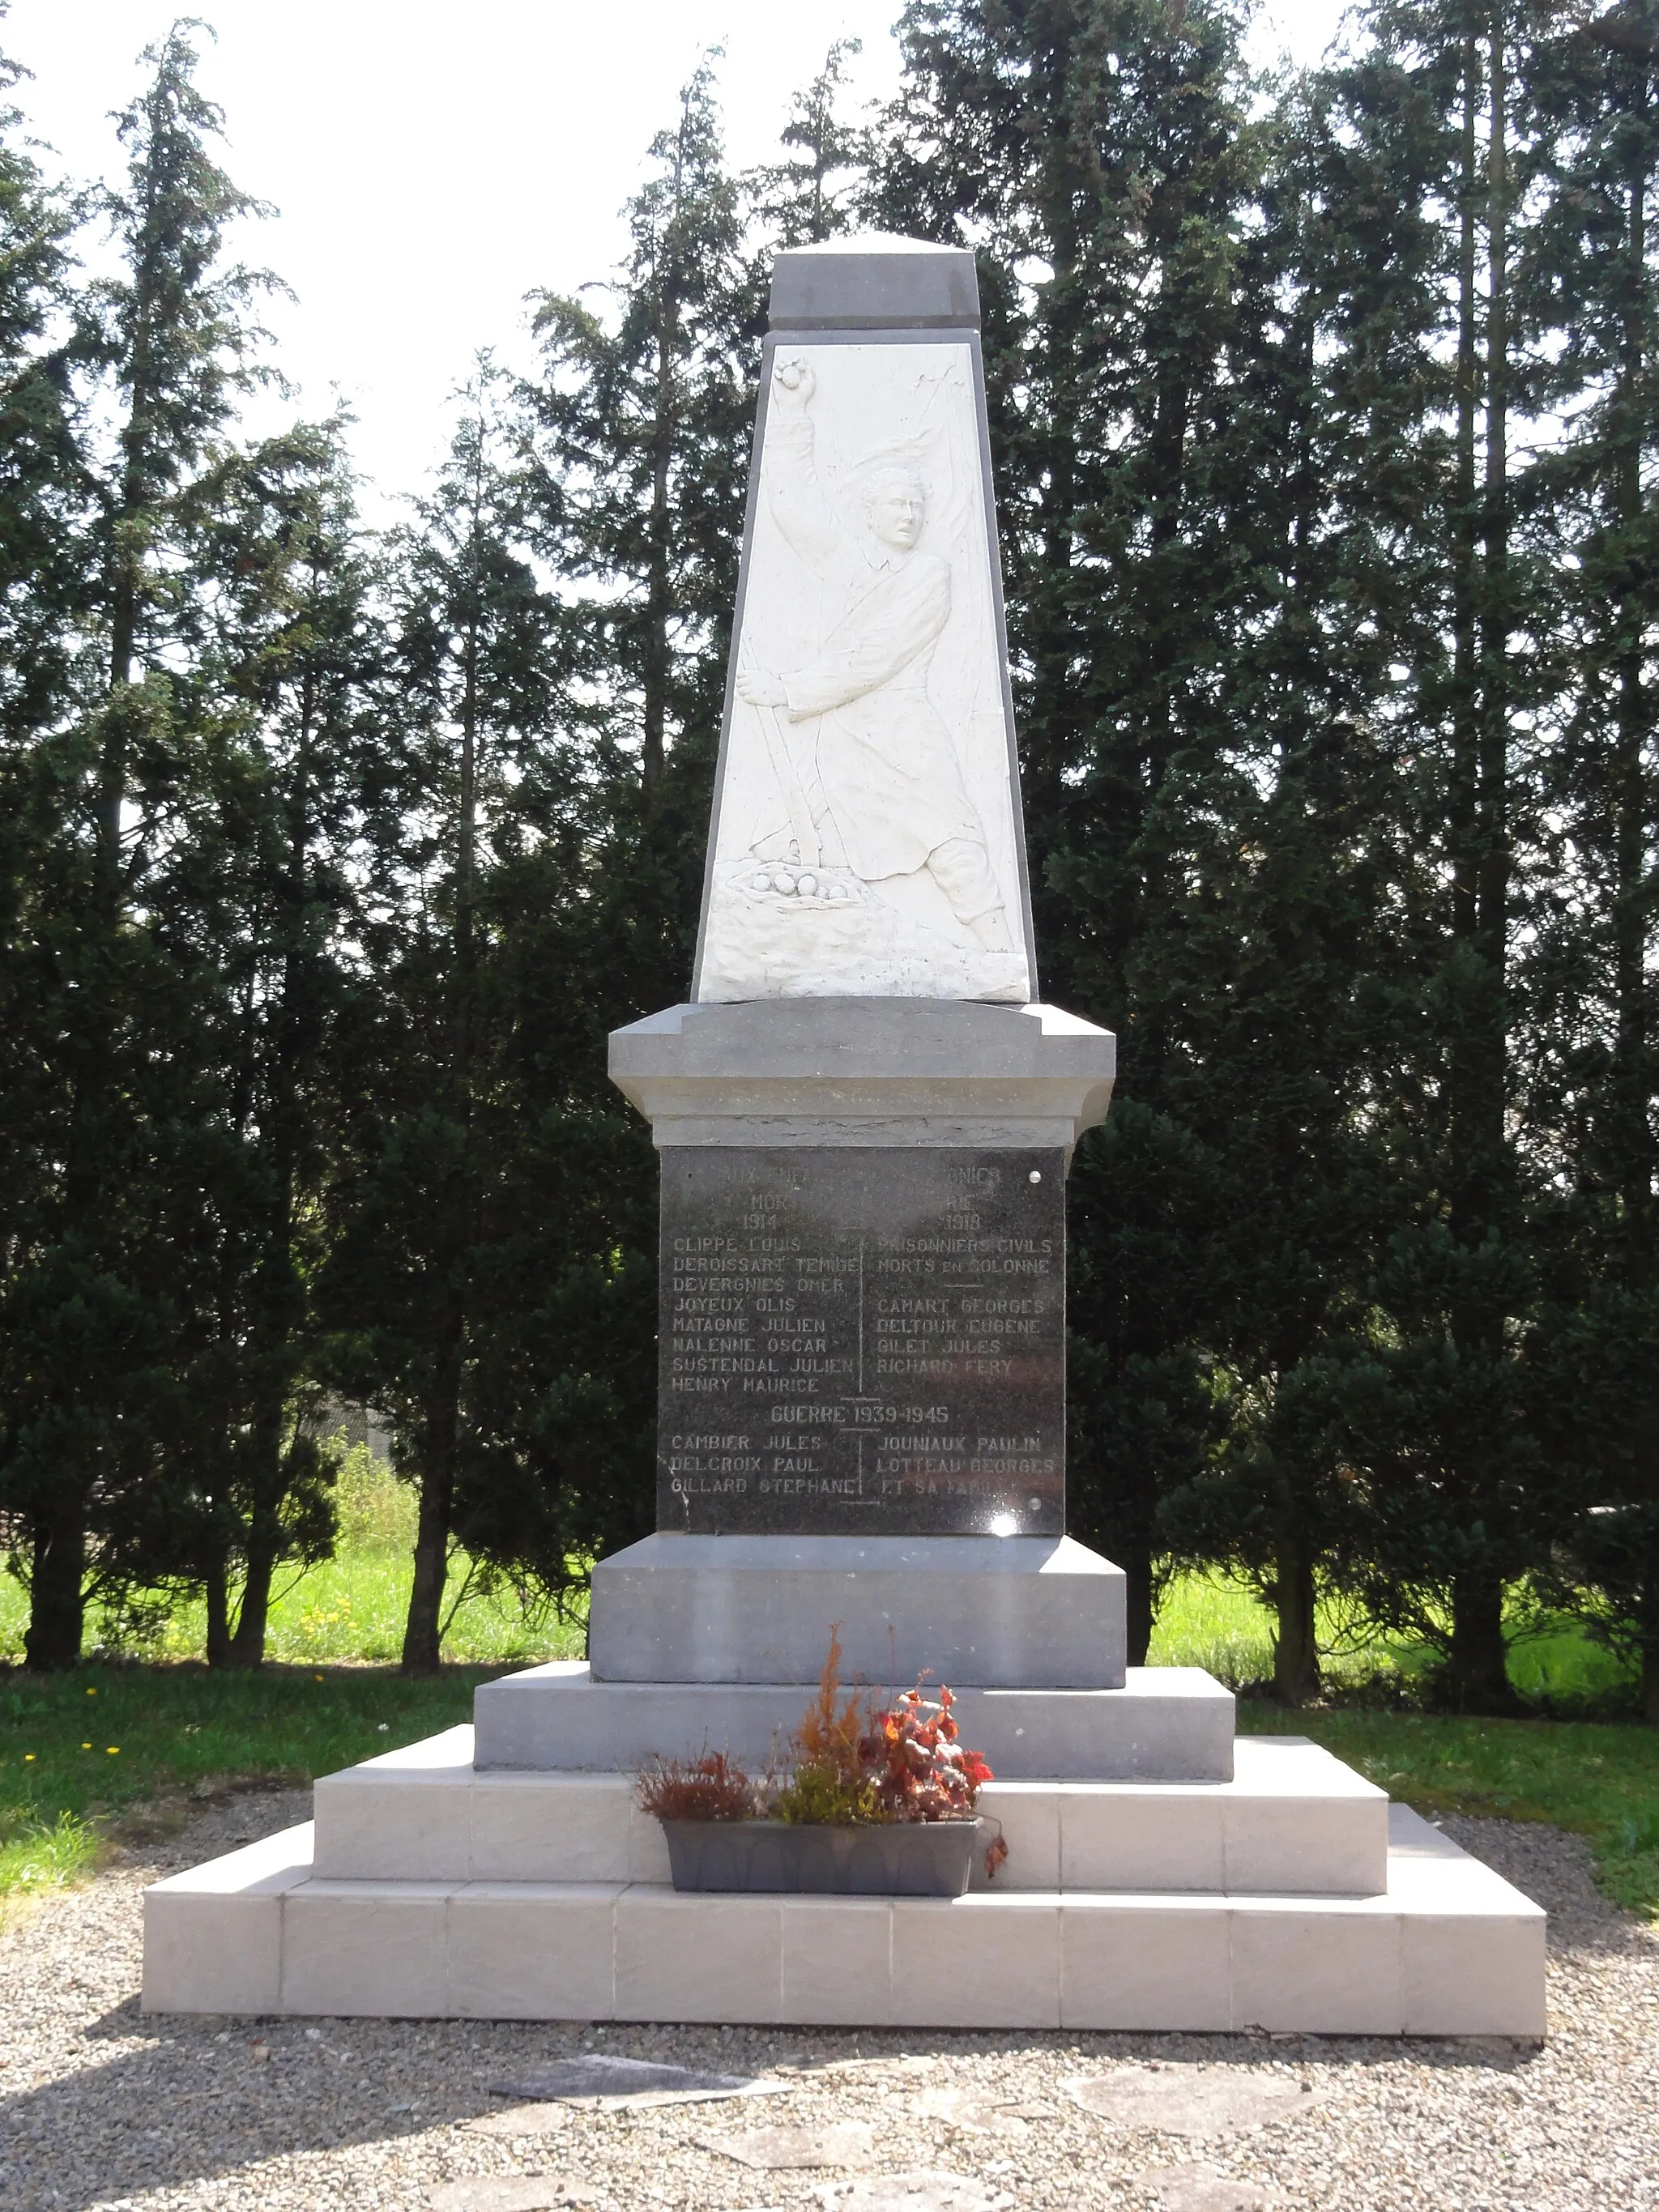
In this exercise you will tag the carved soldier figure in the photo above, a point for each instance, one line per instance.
(882, 780)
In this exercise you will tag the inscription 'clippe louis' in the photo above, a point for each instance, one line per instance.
(862, 1342)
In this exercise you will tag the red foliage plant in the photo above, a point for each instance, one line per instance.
(908, 1763)
(707, 1788)
(831, 1737)
(850, 1766)
(922, 1770)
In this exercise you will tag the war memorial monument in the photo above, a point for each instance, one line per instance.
(864, 1116)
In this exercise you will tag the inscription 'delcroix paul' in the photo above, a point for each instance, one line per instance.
(862, 1342)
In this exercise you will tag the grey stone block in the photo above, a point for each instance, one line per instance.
(994, 1612)
(876, 281)
(909, 1071)
(1166, 1724)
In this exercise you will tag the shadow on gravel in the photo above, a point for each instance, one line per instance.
(208, 2097)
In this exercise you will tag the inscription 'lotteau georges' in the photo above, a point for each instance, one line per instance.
(857, 1341)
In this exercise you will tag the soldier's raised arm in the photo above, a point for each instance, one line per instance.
(793, 493)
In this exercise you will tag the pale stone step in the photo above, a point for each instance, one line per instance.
(1449, 1948)
(1000, 1612)
(1165, 1724)
(1292, 1820)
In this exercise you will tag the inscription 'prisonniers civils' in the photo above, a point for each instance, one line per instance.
(862, 1342)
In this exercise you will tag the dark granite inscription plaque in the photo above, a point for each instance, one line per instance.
(862, 1342)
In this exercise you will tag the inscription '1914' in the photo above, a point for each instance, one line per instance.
(862, 1342)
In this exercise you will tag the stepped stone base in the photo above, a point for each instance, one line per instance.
(1161, 1876)
(1292, 1820)
(1166, 1724)
(988, 1611)
(1448, 1948)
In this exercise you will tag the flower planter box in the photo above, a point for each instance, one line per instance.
(908, 1858)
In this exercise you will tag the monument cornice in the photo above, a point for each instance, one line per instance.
(865, 1072)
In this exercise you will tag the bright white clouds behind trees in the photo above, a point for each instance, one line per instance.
(432, 166)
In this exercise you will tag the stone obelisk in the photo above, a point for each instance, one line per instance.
(864, 1115)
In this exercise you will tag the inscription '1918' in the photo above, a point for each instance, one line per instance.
(862, 1342)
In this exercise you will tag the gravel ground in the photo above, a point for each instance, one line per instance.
(100, 2107)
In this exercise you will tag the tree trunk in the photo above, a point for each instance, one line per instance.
(217, 1585)
(1296, 1646)
(248, 1644)
(56, 1599)
(281, 1309)
(1477, 1674)
(1136, 1561)
(1631, 1078)
(1650, 1682)
(57, 1591)
(423, 1631)
(264, 1548)
(657, 657)
(1478, 1175)
(441, 1422)
(1492, 861)
(1463, 798)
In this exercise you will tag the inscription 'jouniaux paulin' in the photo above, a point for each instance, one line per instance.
(862, 1342)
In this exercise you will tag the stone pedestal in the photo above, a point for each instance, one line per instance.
(1016, 1613)
(1165, 1724)
(863, 1261)
(1162, 1876)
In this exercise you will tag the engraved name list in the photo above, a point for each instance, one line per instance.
(862, 1342)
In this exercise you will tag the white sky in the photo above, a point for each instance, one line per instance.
(433, 163)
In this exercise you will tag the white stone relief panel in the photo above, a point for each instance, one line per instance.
(866, 839)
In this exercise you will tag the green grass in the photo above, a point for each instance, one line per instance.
(38, 1857)
(349, 1611)
(326, 1698)
(1600, 1779)
(1207, 1622)
(78, 1750)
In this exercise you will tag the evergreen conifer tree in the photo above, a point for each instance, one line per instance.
(1589, 1012)
(815, 191)
(1101, 155)
(417, 1201)
(1438, 127)
(102, 1299)
(294, 655)
(42, 607)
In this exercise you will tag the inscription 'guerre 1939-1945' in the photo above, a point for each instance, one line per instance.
(862, 1342)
